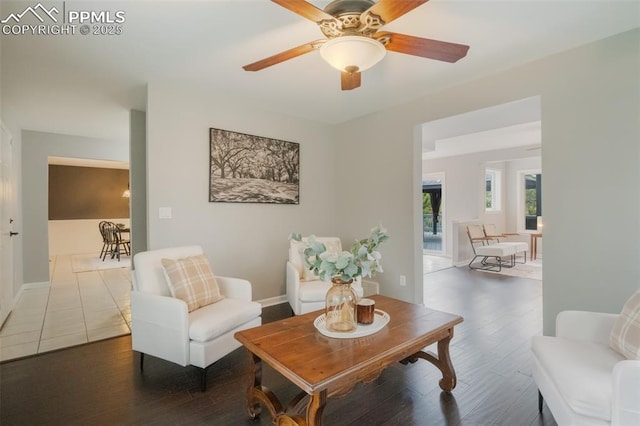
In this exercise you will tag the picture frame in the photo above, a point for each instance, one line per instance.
(246, 168)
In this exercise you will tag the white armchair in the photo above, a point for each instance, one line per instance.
(161, 325)
(583, 380)
(306, 292)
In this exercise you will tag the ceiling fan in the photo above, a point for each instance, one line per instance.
(353, 42)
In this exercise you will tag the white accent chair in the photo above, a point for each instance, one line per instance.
(521, 247)
(161, 325)
(504, 254)
(583, 381)
(306, 292)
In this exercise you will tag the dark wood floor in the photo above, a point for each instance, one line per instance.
(100, 383)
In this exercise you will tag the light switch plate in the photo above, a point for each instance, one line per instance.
(164, 212)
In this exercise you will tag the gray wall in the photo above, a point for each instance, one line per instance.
(590, 134)
(591, 139)
(138, 172)
(36, 148)
(241, 240)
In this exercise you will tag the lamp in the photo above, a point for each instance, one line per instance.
(352, 53)
(539, 224)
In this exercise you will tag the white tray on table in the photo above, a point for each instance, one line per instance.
(380, 320)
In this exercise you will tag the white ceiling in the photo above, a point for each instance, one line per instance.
(205, 44)
(509, 125)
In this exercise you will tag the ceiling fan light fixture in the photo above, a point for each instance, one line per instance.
(346, 52)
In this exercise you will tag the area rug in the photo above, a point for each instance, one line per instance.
(527, 270)
(91, 262)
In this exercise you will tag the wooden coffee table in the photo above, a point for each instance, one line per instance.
(323, 367)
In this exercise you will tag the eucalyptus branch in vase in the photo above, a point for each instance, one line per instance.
(363, 260)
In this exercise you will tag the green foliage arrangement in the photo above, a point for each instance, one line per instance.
(362, 260)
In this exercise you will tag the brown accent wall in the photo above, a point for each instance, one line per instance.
(87, 193)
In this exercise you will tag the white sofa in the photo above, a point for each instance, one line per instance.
(161, 325)
(583, 381)
(305, 292)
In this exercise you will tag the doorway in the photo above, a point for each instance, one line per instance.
(37, 269)
(81, 194)
(459, 147)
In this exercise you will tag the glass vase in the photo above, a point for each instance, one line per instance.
(341, 303)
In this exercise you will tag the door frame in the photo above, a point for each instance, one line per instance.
(7, 185)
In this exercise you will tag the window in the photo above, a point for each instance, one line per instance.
(492, 190)
(532, 200)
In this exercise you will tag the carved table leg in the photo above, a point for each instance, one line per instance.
(442, 362)
(285, 420)
(255, 383)
(298, 404)
(449, 380)
(258, 394)
(315, 407)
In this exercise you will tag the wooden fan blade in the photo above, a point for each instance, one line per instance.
(305, 9)
(424, 47)
(390, 10)
(284, 56)
(350, 80)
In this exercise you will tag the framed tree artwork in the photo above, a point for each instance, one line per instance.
(252, 169)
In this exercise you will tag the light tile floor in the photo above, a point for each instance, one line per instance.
(77, 308)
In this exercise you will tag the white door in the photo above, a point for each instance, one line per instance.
(6, 229)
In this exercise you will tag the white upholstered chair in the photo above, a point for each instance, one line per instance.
(161, 325)
(504, 254)
(305, 291)
(522, 247)
(583, 381)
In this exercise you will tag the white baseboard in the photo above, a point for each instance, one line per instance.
(30, 286)
(271, 301)
(370, 288)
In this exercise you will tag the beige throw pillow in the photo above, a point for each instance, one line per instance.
(191, 279)
(625, 335)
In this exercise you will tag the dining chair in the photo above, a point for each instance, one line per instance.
(105, 242)
(114, 241)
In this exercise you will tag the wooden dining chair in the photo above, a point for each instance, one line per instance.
(114, 241)
(105, 241)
